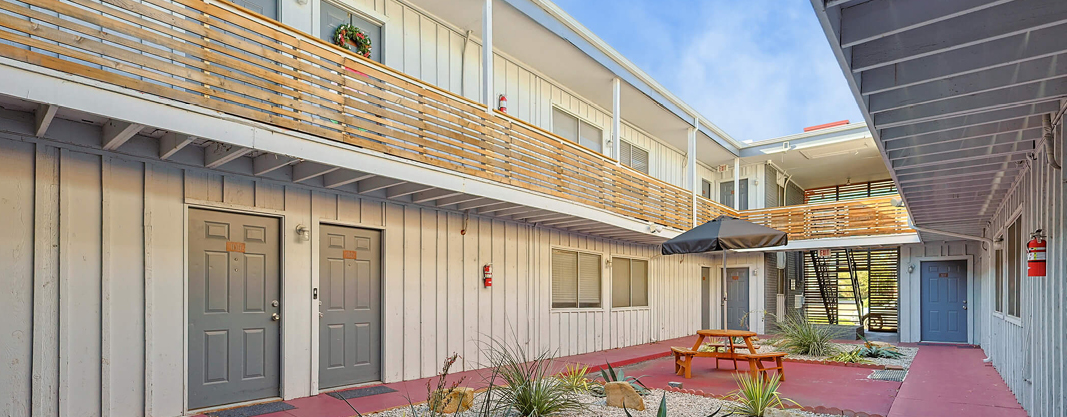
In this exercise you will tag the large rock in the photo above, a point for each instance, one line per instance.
(884, 345)
(774, 412)
(622, 393)
(451, 401)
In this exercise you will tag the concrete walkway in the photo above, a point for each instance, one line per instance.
(947, 380)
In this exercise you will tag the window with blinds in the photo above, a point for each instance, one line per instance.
(998, 289)
(578, 131)
(1015, 254)
(575, 279)
(629, 282)
(633, 156)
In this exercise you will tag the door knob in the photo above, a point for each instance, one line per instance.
(275, 317)
(321, 315)
(965, 306)
(274, 303)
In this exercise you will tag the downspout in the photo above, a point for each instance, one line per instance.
(1049, 137)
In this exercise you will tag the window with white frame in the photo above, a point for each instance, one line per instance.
(331, 16)
(998, 289)
(1015, 255)
(575, 279)
(578, 131)
(629, 282)
(633, 157)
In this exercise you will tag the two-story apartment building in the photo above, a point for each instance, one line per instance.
(206, 202)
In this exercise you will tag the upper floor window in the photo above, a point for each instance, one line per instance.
(629, 282)
(575, 279)
(633, 156)
(331, 16)
(268, 8)
(998, 289)
(577, 131)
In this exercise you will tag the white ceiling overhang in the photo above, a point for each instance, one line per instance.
(954, 92)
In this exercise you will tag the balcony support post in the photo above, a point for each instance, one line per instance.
(691, 171)
(487, 56)
(737, 184)
(616, 119)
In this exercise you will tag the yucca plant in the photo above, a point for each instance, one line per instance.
(755, 395)
(852, 356)
(661, 412)
(574, 376)
(529, 388)
(799, 336)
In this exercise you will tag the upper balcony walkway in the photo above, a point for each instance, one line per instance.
(222, 57)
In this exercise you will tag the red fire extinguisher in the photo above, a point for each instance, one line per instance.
(487, 275)
(503, 103)
(1035, 255)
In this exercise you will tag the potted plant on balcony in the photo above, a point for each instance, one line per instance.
(353, 39)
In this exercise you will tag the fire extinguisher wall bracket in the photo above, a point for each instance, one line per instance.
(1036, 254)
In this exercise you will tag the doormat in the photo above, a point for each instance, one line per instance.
(360, 392)
(888, 375)
(253, 410)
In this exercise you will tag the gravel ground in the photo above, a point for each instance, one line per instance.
(678, 405)
(905, 361)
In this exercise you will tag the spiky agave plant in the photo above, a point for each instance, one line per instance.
(755, 395)
(529, 388)
(611, 375)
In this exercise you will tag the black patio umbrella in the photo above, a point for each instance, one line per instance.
(722, 234)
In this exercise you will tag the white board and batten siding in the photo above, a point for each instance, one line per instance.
(911, 284)
(94, 254)
(1028, 351)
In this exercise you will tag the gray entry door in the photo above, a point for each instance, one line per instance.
(944, 301)
(726, 194)
(736, 298)
(705, 298)
(350, 323)
(234, 288)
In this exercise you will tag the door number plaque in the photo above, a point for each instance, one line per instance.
(235, 247)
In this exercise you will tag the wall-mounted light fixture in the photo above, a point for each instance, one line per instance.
(303, 232)
(911, 268)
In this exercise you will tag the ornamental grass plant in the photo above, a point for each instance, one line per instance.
(799, 336)
(529, 387)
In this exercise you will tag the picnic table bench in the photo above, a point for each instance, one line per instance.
(683, 357)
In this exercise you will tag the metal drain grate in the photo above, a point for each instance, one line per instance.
(888, 375)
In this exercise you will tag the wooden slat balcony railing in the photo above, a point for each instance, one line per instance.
(226, 58)
(223, 57)
(863, 217)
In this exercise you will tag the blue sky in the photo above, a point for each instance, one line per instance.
(758, 69)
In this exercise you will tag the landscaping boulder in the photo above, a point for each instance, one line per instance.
(883, 345)
(451, 401)
(774, 412)
(622, 393)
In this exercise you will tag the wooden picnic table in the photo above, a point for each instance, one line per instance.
(683, 363)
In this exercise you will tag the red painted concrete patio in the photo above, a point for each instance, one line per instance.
(943, 381)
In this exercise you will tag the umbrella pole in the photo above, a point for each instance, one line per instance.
(723, 283)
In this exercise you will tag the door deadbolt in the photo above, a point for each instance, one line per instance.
(275, 317)
(274, 303)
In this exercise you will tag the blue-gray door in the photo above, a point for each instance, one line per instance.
(705, 297)
(944, 301)
(736, 298)
(234, 308)
(350, 319)
(726, 194)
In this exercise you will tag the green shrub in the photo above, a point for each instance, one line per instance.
(879, 352)
(529, 389)
(852, 356)
(755, 395)
(573, 376)
(799, 336)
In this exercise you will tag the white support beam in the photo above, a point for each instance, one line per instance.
(931, 170)
(872, 20)
(307, 170)
(548, 216)
(616, 118)
(488, 94)
(997, 152)
(990, 118)
(376, 183)
(268, 162)
(737, 184)
(983, 130)
(406, 189)
(426, 196)
(691, 170)
(42, 118)
(515, 211)
(482, 202)
(459, 199)
(117, 132)
(951, 174)
(173, 142)
(497, 206)
(1039, 43)
(218, 154)
(965, 144)
(1042, 92)
(343, 177)
(1004, 20)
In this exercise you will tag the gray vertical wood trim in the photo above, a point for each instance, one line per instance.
(106, 274)
(16, 279)
(45, 282)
